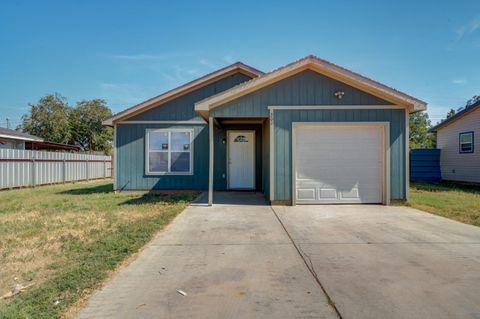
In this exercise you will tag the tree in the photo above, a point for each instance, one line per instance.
(419, 135)
(450, 113)
(473, 100)
(86, 126)
(55, 121)
(49, 119)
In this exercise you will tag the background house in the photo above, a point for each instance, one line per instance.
(12, 139)
(457, 138)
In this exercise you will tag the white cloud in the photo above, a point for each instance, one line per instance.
(153, 56)
(229, 58)
(470, 27)
(140, 57)
(180, 75)
(459, 81)
(208, 64)
(122, 94)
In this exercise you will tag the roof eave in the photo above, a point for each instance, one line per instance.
(456, 117)
(323, 67)
(21, 138)
(183, 89)
(108, 122)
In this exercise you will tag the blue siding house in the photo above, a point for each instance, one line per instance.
(310, 132)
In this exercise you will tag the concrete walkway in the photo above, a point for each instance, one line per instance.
(390, 262)
(235, 260)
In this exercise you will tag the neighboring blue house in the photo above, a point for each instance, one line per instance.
(310, 132)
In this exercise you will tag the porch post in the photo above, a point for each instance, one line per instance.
(271, 132)
(210, 169)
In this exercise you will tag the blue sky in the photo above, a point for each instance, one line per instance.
(128, 51)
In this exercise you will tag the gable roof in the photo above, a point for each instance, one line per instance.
(237, 67)
(462, 113)
(16, 135)
(321, 66)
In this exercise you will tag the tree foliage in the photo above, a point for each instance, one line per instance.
(49, 119)
(420, 137)
(473, 100)
(55, 121)
(86, 125)
(450, 113)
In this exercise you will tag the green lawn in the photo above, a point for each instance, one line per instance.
(458, 202)
(66, 239)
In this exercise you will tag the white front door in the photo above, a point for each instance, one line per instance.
(241, 159)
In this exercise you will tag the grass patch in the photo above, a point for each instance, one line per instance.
(451, 200)
(68, 238)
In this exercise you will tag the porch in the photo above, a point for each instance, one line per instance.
(238, 156)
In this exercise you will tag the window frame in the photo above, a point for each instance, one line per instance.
(169, 151)
(460, 142)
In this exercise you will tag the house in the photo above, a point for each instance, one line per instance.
(310, 132)
(457, 138)
(11, 139)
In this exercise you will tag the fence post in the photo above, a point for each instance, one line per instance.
(86, 162)
(64, 168)
(34, 171)
(104, 167)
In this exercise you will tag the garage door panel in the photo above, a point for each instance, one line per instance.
(306, 194)
(327, 194)
(350, 194)
(338, 164)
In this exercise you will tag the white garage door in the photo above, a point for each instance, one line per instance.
(338, 164)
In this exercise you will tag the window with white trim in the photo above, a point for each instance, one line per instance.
(169, 151)
(466, 142)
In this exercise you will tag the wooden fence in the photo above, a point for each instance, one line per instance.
(23, 168)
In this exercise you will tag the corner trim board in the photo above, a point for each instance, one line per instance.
(272, 156)
(211, 159)
(407, 155)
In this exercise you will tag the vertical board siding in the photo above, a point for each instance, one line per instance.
(23, 168)
(304, 88)
(131, 141)
(425, 165)
(266, 159)
(283, 148)
(220, 150)
(131, 159)
(182, 108)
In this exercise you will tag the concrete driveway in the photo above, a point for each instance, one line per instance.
(244, 259)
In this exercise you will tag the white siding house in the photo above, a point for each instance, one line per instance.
(11, 139)
(458, 138)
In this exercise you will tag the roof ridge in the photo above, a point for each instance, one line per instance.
(314, 59)
(365, 77)
(447, 121)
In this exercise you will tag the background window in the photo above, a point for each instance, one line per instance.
(169, 151)
(466, 142)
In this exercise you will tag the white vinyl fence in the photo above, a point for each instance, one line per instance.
(20, 168)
